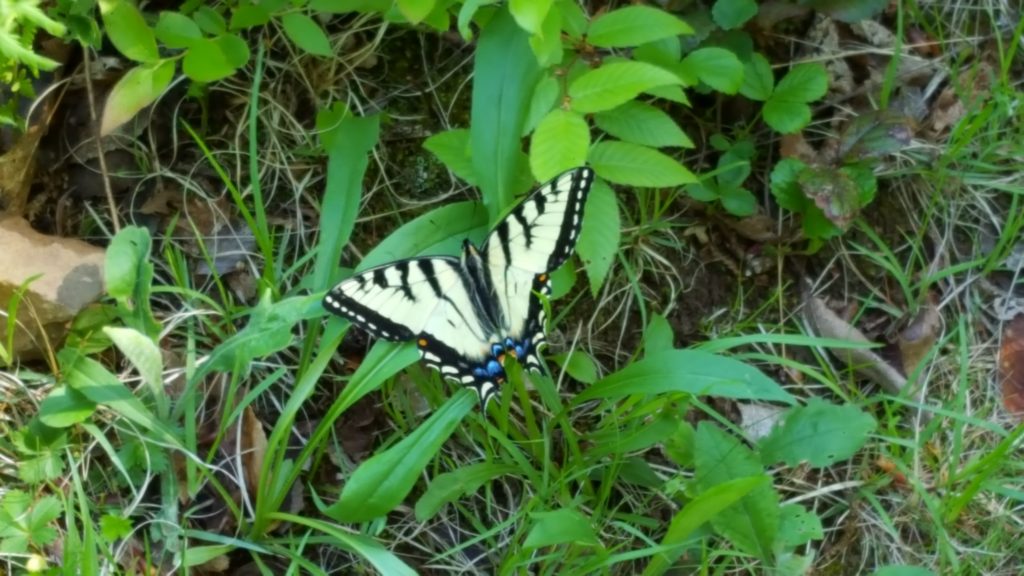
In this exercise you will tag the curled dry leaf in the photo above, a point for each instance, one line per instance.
(917, 339)
(828, 324)
(1011, 367)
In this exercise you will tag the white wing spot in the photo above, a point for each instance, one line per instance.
(449, 370)
(467, 379)
(431, 357)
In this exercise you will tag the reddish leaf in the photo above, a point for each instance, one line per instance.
(1011, 366)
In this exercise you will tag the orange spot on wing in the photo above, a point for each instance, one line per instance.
(543, 277)
(422, 342)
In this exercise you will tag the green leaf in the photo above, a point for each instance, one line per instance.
(665, 53)
(833, 192)
(702, 509)
(143, 353)
(716, 67)
(346, 6)
(210, 21)
(798, 526)
(786, 117)
(99, 385)
(804, 83)
(348, 141)
(903, 571)
(658, 337)
(416, 10)
(128, 31)
(758, 79)
(635, 165)
(738, 201)
(138, 88)
(306, 34)
(730, 14)
(466, 13)
(530, 14)
(644, 124)
(176, 30)
(618, 439)
(819, 434)
(689, 371)
(785, 185)
(561, 526)
(616, 83)
(114, 527)
(210, 60)
(450, 486)
(752, 524)
(873, 134)
(64, 407)
(505, 72)
(247, 16)
(599, 240)
(634, 25)
(559, 143)
(577, 364)
(547, 43)
(545, 94)
(127, 262)
(381, 483)
(439, 231)
(451, 147)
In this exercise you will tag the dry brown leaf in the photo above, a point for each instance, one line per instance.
(796, 146)
(1011, 367)
(253, 448)
(917, 339)
(828, 324)
(17, 167)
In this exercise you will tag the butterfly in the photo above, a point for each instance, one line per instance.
(468, 314)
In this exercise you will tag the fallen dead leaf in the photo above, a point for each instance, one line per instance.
(1011, 367)
(757, 420)
(796, 146)
(17, 167)
(252, 447)
(916, 340)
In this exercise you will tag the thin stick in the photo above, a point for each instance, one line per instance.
(99, 143)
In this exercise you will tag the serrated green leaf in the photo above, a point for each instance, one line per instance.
(752, 523)
(306, 34)
(380, 484)
(176, 30)
(616, 83)
(138, 88)
(634, 25)
(635, 165)
(797, 526)
(545, 95)
(210, 21)
(128, 31)
(731, 14)
(559, 143)
(689, 371)
(716, 67)
(644, 124)
(786, 117)
(602, 230)
(450, 486)
(416, 10)
(758, 79)
(530, 14)
(819, 434)
(451, 147)
(804, 83)
(114, 527)
(785, 184)
(561, 526)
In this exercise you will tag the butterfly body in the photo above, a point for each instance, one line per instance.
(468, 314)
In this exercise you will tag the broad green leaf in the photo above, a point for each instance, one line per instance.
(209, 60)
(804, 83)
(785, 184)
(466, 13)
(577, 364)
(306, 34)
(452, 148)
(874, 134)
(247, 16)
(644, 124)
(833, 192)
(348, 141)
(176, 30)
(758, 79)
(689, 371)
(235, 50)
(696, 513)
(115, 527)
(658, 337)
(634, 25)
(545, 94)
(716, 67)
(65, 406)
(574, 21)
(731, 14)
(505, 72)
(848, 10)
(738, 201)
(547, 43)
(381, 483)
(561, 526)
(415, 10)
(665, 53)
(629, 438)
(127, 262)
(798, 526)
(530, 14)
(616, 83)
(210, 21)
(384, 360)
(786, 117)
(562, 280)
(128, 31)
(346, 6)
(99, 385)
(751, 524)
(450, 486)
(599, 240)
(903, 571)
(138, 88)
(819, 434)
(635, 165)
(679, 447)
(559, 143)
(143, 353)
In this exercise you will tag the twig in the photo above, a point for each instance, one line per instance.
(99, 142)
